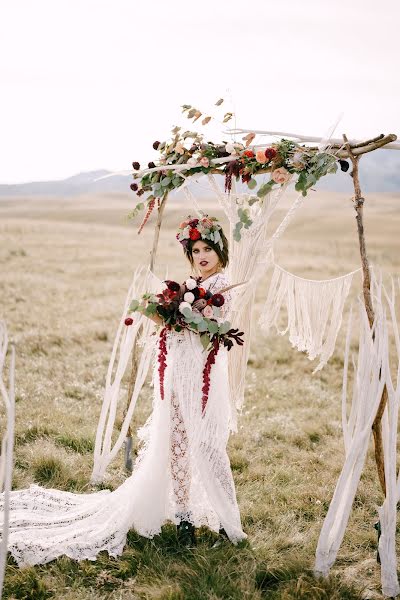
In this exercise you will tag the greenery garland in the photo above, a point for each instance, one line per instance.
(186, 154)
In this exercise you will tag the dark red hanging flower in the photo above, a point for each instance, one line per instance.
(128, 321)
(155, 145)
(162, 359)
(206, 374)
(217, 300)
(134, 187)
(246, 177)
(151, 165)
(270, 153)
(194, 234)
(148, 213)
(136, 165)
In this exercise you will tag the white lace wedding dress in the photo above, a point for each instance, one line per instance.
(182, 471)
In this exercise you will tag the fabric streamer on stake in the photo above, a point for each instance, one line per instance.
(7, 445)
(388, 511)
(314, 311)
(371, 376)
(143, 280)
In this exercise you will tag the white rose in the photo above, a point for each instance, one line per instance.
(192, 162)
(184, 305)
(188, 297)
(230, 148)
(190, 283)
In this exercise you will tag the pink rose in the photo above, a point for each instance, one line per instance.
(260, 157)
(280, 175)
(208, 312)
(204, 161)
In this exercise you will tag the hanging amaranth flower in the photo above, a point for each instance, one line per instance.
(206, 374)
(162, 359)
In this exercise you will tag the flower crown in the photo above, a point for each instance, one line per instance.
(205, 228)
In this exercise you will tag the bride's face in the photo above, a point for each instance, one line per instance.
(205, 258)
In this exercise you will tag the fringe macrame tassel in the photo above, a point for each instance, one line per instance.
(314, 311)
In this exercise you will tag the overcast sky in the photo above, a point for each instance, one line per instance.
(89, 84)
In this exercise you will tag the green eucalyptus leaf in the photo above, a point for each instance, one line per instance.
(166, 181)
(224, 327)
(252, 184)
(212, 327)
(134, 305)
(205, 340)
(202, 326)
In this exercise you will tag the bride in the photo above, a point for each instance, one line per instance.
(182, 473)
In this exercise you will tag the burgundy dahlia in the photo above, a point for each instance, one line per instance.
(270, 153)
(172, 285)
(217, 300)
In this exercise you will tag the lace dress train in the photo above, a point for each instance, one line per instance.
(182, 471)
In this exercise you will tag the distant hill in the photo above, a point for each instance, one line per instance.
(379, 172)
(82, 183)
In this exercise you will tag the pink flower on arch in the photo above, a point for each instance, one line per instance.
(204, 161)
(260, 157)
(280, 175)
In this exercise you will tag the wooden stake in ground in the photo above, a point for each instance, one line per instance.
(359, 205)
(135, 351)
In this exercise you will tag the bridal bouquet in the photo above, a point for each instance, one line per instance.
(189, 306)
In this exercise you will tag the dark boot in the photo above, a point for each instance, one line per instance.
(186, 534)
(223, 537)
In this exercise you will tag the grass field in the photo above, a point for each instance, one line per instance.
(65, 267)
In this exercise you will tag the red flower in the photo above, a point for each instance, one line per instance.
(270, 153)
(173, 285)
(206, 375)
(128, 321)
(202, 292)
(248, 153)
(217, 299)
(162, 359)
(246, 177)
(194, 234)
(193, 222)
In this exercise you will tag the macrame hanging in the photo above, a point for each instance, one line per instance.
(248, 261)
(314, 311)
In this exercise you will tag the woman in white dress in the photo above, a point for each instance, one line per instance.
(182, 473)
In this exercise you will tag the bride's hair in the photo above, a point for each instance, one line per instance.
(223, 254)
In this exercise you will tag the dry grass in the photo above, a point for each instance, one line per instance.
(65, 267)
